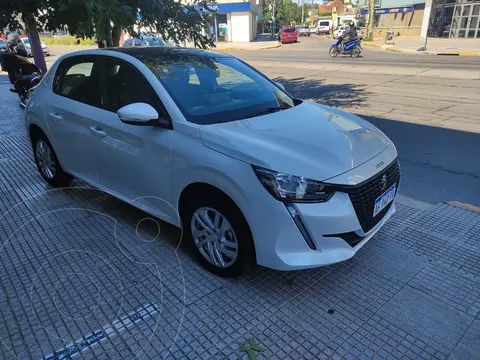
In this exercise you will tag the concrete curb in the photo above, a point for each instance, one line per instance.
(249, 49)
(270, 47)
(413, 203)
(464, 206)
(407, 51)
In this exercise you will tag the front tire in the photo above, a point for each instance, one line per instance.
(47, 162)
(333, 52)
(219, 233)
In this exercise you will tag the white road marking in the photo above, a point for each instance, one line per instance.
(96, 337)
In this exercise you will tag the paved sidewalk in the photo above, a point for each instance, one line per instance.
(253, 45)
(461, 47)
(88, 276)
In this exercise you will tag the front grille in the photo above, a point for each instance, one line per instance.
(363, 196)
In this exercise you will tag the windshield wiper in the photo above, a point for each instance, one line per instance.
(270, 110)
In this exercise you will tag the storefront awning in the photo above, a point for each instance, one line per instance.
(400, 10)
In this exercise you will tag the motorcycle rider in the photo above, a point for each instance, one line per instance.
(349, 36)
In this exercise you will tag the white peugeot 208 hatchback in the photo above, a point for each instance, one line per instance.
(207, 143)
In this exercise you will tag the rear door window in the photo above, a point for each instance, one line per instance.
(76, 78)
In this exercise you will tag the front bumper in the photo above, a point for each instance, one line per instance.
(336, 229)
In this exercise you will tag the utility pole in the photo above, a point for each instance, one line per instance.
(311, 13)
(273, 18)
(371, 18)
(303, 13)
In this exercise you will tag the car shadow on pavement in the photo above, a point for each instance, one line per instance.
(346, 96)
(438, 163)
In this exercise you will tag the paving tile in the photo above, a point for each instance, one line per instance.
(417, 313)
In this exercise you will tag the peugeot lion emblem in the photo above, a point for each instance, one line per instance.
(384, 182)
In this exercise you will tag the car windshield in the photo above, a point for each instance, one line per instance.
(211, 90)
(289, 30)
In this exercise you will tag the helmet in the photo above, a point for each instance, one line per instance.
(21, 50)
(347, 27)
(13, 39)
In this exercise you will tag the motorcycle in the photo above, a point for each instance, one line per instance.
(353, 49)
(22, 73)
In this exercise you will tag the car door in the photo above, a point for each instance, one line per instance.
(134, 160)
(75, 100)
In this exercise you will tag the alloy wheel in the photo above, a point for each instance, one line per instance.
(214, 237)
(45, 159)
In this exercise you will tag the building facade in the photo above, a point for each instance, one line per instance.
(403, 17)
(454, 18)
(233, 21)
(435, 18)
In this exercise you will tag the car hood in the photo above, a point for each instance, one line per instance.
(309, 140)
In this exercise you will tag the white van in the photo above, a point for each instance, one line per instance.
(324, 26)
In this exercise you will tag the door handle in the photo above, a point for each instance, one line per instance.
(55, 117)
(98, 131)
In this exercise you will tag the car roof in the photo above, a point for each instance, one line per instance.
(157, 51)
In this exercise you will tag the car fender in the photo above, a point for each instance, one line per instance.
(226, 181)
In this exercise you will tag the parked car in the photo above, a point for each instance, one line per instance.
(26, 42)
(324, 27)
(360, 33)
(339, 32)
(303, 31)
(313, 30)
(148, 41)
(252, 174)
(287, 34)
(3, 46)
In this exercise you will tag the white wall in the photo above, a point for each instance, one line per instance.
(241, 26)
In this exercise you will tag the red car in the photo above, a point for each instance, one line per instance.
(287, 34)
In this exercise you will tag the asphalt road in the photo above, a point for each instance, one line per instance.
(428, 105)
(315, 48)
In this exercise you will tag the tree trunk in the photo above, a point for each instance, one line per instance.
(37, 51)
(35, 43)
(116, 34)
(371, 18)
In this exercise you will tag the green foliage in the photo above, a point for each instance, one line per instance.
(104, 19)
(67, 40)
(250, 347)
(367, 38)
(324, 14)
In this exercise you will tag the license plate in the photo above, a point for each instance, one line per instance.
(384, 199)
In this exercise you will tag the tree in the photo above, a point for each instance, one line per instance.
(105, 19)
(28, 11)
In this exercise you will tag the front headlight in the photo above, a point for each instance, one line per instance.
(290, 188)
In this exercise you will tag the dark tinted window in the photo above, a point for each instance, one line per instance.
(124, 85)
(289, 30)
(75, 79)
(324, 23)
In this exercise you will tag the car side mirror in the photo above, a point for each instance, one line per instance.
(280, 86)
(141, 114)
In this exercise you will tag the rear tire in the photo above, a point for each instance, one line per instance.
(47, 162)
(209, 204)
(333, 52)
